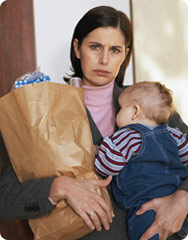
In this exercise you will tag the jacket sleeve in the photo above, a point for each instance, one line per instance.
(23, 200)
(175, 121)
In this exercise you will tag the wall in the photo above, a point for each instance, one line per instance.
(54, 24)
(161, 46)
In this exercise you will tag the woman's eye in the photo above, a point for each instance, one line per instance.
(94, 47)
(115, 50)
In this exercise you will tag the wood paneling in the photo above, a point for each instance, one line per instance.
(17, 45)
(16, 230)
(17, 57)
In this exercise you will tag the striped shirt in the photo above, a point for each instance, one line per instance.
(116, 150)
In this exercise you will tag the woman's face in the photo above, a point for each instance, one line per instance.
(101, 54)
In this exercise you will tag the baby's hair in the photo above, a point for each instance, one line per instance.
(154, 99)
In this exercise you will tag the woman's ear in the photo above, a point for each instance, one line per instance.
(136, 112)
(126, 53)
(76, 48)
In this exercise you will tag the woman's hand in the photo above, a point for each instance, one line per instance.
(82, 196)
(96, 149)
(170, 211)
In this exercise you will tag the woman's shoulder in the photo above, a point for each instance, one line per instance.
(118, 90)
(175, 121)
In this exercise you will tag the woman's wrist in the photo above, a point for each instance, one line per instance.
(58, 189)
(182, 197)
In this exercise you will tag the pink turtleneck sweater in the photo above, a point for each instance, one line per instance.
(99, 102)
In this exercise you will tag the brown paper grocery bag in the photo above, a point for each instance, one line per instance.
(46, 133)
(63, 222)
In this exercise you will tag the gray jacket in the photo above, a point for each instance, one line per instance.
(30, 198)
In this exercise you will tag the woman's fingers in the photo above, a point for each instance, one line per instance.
(102, 213)
(102, 209)
(88, 221)
(170, 214)
(104, 182)
(146, 207)
(105, 212)
(95, 219)
(149, 233)
(99, 214)
(82, 196)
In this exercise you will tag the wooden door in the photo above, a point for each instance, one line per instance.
(17, 57)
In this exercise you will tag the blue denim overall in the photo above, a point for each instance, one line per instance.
(155, 171)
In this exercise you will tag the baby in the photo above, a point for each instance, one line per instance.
(147, 157)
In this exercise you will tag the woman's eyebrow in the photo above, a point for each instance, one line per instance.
(94, 42)
(116, 46)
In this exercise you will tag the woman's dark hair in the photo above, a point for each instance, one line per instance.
(102, 16)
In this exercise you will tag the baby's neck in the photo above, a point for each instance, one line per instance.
(146, 121)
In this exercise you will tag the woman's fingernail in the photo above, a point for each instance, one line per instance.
(92, 228)
(107, 228)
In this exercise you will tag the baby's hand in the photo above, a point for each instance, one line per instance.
(96, 149)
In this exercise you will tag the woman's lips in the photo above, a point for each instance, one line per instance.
(100, 72)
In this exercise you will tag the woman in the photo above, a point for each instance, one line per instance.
(100, 51)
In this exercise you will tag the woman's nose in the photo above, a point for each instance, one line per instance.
(104, 58)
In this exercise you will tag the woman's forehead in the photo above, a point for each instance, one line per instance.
(106, 34)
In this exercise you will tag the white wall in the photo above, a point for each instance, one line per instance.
(161, 46)
(54, 24)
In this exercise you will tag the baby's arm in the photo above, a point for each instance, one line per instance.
(116, 150)
(109, 160)
(183, 149)
(182, 144)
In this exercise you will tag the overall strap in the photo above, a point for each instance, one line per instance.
(144, 129)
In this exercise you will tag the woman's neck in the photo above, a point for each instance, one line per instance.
(99, 101)
(98, 95)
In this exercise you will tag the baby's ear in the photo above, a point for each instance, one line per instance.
(136, 111)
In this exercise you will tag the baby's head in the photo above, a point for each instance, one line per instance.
(145, 102)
